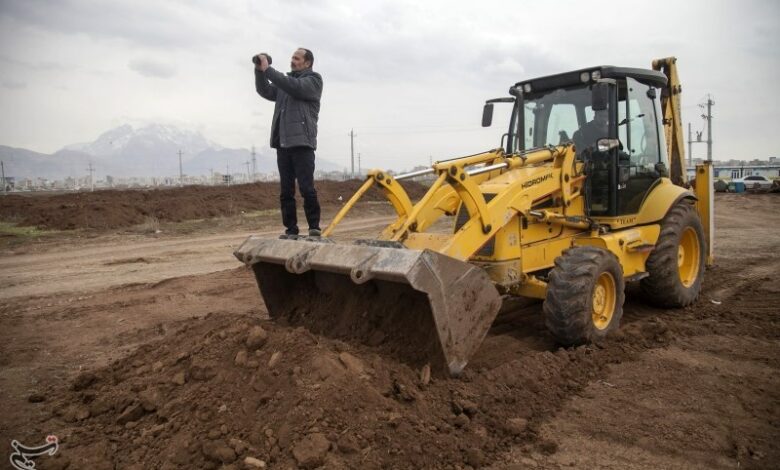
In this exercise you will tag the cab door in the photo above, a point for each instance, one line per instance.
(599, 150)
(640, 160)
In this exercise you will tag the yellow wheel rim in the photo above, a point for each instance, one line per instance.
(603, 301)
(688, 257)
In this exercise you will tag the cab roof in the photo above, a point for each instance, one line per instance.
(648, 77)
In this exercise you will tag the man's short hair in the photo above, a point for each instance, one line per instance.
(307, 55)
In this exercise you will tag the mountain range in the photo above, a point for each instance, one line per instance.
(147, 151)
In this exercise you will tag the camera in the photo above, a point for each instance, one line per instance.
(256, 58)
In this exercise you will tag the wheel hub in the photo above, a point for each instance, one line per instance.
(603, 302)
(688, 257)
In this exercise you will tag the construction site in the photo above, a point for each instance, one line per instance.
(578, 297)
(139, 345)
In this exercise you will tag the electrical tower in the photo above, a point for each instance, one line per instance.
(247, 170)
(254, 164)
(352, 150)
(359, 167)
(181, 173)
(2, 170)
(91, 170)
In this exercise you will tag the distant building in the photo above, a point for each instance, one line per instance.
(734, 169)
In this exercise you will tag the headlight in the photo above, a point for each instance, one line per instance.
(584, 77)
(527, 88)
(596, 75)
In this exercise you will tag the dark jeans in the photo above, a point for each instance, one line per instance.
(297, 163)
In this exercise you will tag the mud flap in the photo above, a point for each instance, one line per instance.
(419, 306)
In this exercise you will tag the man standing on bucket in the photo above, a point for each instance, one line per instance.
(293, 133)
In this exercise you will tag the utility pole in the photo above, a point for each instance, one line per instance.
(181, 173)
(710, 103)
(247, 170)
(211, 181)
(91, 178)
(708, 117)
(228, 173)
(359, 167)
(690, 146)
(352, 150)
(2, 170)
(254, 164)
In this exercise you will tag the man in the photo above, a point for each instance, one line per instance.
(585, 137)
(294, 133)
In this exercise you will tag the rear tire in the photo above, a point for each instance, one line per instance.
(585, 295)
(676, 266)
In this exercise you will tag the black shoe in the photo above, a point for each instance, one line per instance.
(315, 232)
(288, 236)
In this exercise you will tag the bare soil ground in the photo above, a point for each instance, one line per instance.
(153, 350)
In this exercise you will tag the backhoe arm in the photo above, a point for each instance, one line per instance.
(672, 120)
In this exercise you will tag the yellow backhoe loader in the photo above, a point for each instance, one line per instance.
(587, 192)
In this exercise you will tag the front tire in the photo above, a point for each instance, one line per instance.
(676, 266)
(585, 295)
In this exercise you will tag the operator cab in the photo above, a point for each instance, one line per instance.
(613, 117)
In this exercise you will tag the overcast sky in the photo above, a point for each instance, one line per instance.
(409, 76)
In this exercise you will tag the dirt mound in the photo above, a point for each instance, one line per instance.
(111, 209)
(221, 391)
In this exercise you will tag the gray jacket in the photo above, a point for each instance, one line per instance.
(297, 96)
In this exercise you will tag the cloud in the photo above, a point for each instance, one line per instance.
(152, 68)
(390, 66)
(150, 23)
(13, 84)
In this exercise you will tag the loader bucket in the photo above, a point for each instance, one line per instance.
(418, 306)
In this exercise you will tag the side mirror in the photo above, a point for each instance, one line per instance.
(487, 115)
(605, 145)
(600, 96)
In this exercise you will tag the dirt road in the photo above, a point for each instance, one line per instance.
(109, 261)
(141, 360)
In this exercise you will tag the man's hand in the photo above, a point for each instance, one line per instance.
(262, 63)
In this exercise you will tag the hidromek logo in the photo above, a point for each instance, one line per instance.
(537, 180)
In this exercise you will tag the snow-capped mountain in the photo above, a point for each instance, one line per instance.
(152, 150)
(152, 138)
